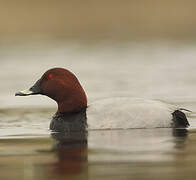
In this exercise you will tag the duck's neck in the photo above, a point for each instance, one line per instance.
(73, 106)
(71, 100)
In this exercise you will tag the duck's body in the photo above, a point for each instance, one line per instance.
(114, 113)
(123, 113)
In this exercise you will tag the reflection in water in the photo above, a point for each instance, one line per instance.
(181, 137)
(113, 154)
(71, 146)
(180, 132)
(140, 153)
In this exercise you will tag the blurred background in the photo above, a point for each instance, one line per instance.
(116, 48)
(131, 48)
(101, 20)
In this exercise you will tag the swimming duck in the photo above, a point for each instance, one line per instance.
(113, 113)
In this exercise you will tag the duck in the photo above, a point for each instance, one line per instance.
(74, 113)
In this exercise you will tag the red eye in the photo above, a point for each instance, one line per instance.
(50, 76)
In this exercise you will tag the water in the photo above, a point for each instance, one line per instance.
(122, 154)
(152, 69)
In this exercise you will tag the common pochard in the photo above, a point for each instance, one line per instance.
(113, 113)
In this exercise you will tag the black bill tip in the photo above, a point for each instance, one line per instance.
(35, 89)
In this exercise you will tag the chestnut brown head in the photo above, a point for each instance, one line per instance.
(62, 86)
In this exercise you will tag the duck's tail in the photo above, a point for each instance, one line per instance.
(182, 109)
(179, 118)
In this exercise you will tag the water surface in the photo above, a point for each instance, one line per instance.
(157, 70)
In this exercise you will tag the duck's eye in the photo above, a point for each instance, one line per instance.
(50, 76)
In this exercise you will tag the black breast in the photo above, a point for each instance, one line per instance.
(72, 122)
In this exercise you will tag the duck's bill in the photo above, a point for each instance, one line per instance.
(35, 89)
(26, 92)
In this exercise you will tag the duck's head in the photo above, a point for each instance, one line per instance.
(62, 86)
